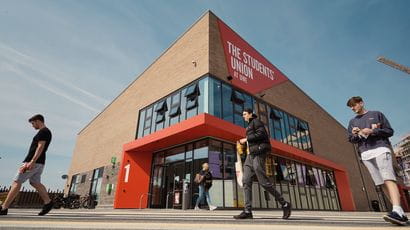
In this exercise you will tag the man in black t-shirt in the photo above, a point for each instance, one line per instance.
(32, 167)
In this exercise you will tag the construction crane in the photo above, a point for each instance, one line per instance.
(393, 64)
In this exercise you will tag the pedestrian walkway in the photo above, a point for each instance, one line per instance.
(180, 219)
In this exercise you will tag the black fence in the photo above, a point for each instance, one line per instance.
(28, 198)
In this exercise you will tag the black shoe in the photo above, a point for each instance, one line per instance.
(244, 215)
(3, 212)
(287, 209)
(46, 208)
(395, 218)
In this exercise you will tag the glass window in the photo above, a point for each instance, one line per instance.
(229, 161)
(159, 158)
(160, 117)
(167, 117)
(227, 105)
(183, 102)
(287, 129)
(83, 178)
(229, 175)
(161, 106)
(262, 113)
(215, 159)
(329, 181)
(191, 103)
(96, 182)
(175, 154)
(75, 180)
(203, 96)
(141, 123)
(192, 91)
(248, 101)
(300, 169)
(148, 120)
(215, 95)
(175, 110)
(237, 97)
(275, 124)
(310, 177)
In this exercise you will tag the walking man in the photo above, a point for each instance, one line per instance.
(371, 130)
(259, 146)
(204, 185)
(32, 167)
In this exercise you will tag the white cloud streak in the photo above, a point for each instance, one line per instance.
(48, 72)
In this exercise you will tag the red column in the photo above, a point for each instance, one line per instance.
(345, 193)
(133, 180)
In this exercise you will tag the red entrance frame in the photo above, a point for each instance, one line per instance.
(134, 176)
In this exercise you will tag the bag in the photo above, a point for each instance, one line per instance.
(198, 178)
(241, 148)
(239, 170)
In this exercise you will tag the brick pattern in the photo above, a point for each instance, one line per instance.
(104, 136)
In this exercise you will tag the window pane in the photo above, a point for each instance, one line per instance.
(227, 104)
(148, 118)
(160, 117)
(237, 97)
(248, 101)
(161, 106)
(183, 107)
(167, 118)
(175, 154)
(203, 96)
(215, 98)
(215, 159)
(192, 91)
(141, 123)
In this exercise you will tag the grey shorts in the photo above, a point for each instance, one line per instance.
(34, 175)
(381, 168)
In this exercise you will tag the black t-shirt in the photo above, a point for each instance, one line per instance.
(43, 134)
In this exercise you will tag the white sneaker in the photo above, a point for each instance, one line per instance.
(196, 208)
(211, 207)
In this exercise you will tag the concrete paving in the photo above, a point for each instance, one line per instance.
(180, 219)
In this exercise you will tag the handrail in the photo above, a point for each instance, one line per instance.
(142, 195)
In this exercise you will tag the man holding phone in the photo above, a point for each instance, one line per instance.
(370, 131)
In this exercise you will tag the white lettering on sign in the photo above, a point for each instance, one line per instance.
(127, 172)
(244, 64)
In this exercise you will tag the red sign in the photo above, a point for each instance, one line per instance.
(249, 69)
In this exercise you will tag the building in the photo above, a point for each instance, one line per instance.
(402, 152)
(144, 149)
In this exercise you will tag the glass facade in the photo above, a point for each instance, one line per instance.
(210, 95)
(96, 182)
(307, 187)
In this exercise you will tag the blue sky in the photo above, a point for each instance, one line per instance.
(68, 59)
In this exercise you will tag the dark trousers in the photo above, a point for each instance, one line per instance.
(255, 165)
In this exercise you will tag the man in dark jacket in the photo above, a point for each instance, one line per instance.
(370, 131)
(259, 146)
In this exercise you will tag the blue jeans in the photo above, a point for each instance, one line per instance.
(203, 192)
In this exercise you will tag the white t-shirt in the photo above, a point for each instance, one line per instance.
(373, 153)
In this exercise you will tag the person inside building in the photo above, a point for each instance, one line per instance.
(258, 141)
(32, 167)
(204, 180)
(370, 131)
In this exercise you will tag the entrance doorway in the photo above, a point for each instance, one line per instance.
(174, 175)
